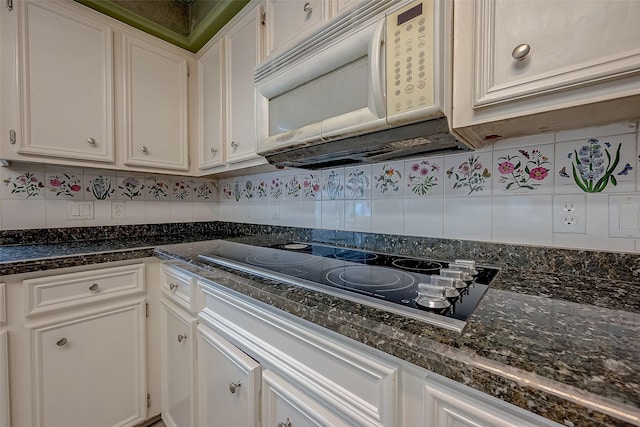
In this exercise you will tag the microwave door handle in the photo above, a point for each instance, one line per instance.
(376, 56)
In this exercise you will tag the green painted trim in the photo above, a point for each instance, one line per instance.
(213, 22)
(210, 25)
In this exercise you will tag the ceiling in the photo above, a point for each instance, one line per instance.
(185, 23)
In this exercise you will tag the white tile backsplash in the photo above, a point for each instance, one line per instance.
(364, 198)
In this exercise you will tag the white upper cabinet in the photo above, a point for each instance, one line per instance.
(212, 106)
(288, 20)
(244, 51)
(66, 76)
(554, 60)
(155, 106)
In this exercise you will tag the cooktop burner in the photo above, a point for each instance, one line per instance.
(437, 292)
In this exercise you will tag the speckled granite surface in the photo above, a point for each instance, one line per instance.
(557, 333)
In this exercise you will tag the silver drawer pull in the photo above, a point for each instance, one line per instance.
(61, 342)
(173, 286)
(307, 8)
(182, 337)
(214, 151)
(94, 287)
(91, 141)
(234, 145)
(521, 52)
(233, 386)
(286, 423)
(144, 149)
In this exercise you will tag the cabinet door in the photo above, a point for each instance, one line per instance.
(288, 20)
(155, 105)
(90, 371)
(212, 102)
(447, 403)
(67, 83)
(178, 366)
(4, 380)
(568, 45)
(242, 55)
(228, 383)
(285, 406)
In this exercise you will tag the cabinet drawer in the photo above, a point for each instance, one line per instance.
(179, 286)
(69, 290)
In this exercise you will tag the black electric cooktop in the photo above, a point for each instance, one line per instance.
(386, 281)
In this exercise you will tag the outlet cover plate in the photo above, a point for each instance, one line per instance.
(570, 214)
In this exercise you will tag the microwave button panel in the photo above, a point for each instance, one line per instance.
(413, 85)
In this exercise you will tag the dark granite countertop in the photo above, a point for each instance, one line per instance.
(536, 340)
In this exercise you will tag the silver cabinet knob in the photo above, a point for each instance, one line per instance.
(61, 342)
(521, 52)
(94, 287)
(173, 286)
(234, 145)
(182, 337)
(144, 149)
(286, 423)
(12, 136)
(213, 151)
(233, 386)
(307, 8)
(91, 141)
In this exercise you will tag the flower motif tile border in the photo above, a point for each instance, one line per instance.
(333, 184)
(468, 174)
(524, 170)
(595, 165)
(311, 186)
(293, 187)
(357, 182)
(100, 186)
(424, 177)
(157, 188)
(388, 180)
(130, 186)
(65, 184)
(25, 184)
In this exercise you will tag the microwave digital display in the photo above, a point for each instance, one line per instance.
(410, 14)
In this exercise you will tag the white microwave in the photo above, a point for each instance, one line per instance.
(386, 73)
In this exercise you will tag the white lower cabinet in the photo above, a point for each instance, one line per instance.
(178, 355)
(447, 403)
(90, 370)
(4, 380)
(283, 405)
(228, 383)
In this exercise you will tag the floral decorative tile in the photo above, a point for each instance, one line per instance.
(157, 188)
(130, 186)
(181, 189)
(238, 189)
(525, 170)
(226, 191)
(293, 187)
(311, 186)
(276, 188)
(424, 177)
(387, 178)
(204, 190)
(23, 184)
(262, 187)
(249, 191)
(65, 184)
(100, 186)
(596, 165)
(468, 174)
(333, 184)
(358, 182)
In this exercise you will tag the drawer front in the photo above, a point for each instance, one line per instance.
(332, 370)
(3, 305)
(179, 286)
(69, 290)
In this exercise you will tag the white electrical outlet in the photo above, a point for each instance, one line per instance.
(569, 214)
(118, 210)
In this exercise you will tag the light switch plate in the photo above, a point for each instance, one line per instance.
(79, 210)
(624, 216)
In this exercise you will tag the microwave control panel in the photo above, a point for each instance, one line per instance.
(409, 52)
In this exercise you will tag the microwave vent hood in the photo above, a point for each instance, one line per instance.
(424, 138)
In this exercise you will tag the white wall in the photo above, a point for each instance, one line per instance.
(384, 198)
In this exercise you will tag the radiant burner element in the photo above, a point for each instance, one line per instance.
(437, 292)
